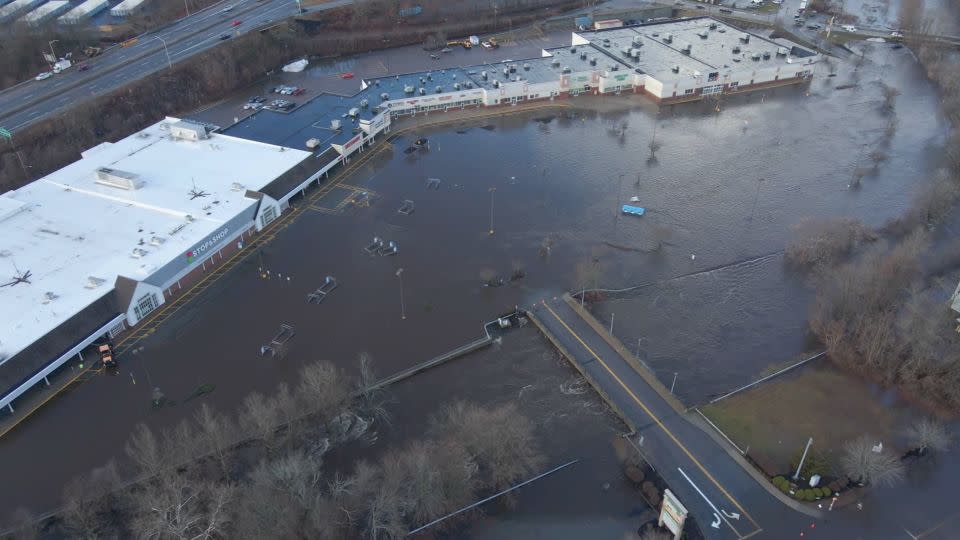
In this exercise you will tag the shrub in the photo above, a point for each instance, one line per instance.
(817, 492)
(826, 491)
(811, 496)
(785, 487)
(780, 481)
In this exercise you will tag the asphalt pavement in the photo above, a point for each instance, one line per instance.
(726, 501)
(32, 100)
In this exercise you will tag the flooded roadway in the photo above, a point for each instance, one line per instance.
(557, 178)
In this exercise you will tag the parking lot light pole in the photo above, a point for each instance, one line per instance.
(53, 52)
(492, 191)
(403, 313)
(169, 63)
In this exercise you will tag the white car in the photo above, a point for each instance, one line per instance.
(44, 75)
(896, 34)
(849, 27)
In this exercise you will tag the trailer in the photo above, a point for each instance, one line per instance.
(632, 210)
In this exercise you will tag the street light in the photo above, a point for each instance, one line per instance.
(755, 196)
(53, 52)
(492, 191)
(169, 63)
(403, 313)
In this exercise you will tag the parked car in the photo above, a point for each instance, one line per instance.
(347, 75)
(896, 34)
(83, 67)
(44, 75)
(236, 23)
(224, 36)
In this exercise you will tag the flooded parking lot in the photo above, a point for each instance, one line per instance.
(726, 187)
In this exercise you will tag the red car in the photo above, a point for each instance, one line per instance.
(236, 23)
(347, 75)
(298, 92)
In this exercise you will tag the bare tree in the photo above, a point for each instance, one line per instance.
(655, 534)
(890, 95)
(259, 417)
(25, 525)
(88, 503)
(500, 440)
(176, 506)
(216, 433)
(323, 389)
(864, 466)
(181, 444)
(823, 242)
(928, 434)
(372, 401)
(145, 451)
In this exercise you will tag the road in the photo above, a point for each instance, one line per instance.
(726, 501)
(33, 101)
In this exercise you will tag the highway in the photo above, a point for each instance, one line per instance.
(32, 101)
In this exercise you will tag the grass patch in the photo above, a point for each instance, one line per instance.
(776, 418)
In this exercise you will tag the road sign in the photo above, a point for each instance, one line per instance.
(5, 134)
(672, 514)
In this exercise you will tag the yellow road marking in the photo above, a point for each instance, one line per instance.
(659, 423)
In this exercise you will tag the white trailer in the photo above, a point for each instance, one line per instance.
(84, 11)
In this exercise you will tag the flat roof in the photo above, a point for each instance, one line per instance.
(712, 45)
(66, 228)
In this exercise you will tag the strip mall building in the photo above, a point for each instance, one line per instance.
(90, 250)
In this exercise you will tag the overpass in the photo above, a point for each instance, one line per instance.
(723, 493)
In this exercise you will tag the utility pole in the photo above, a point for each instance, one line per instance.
(403, 313)
(186, 7)
(674, 383)
(53, 52)
(299, 8)
(796, 475)
(492, 191)
(6, 134)
(612, 315)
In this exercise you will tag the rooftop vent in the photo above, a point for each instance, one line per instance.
(49, 296)
(703, 34)
(118, 179)
(766, 55)
(423, 91)
(484, 75)
(496, 84)
(675, 68)
(438, 89)
(138, 253)
(384, 96)
(157, 241)
(686, 48)
(615, 67)
(93, 282)
(456, 86)
(237, 186)
(745, 38)
(668, 38)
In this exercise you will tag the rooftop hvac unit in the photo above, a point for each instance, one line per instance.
(138, 253)
(625, 51)
(668, 38)
(93, 282)
(566, 70)
(637, 41)
(118, 179)
(686, 49)
(438, 89)
(583, 55)
(615, 67)
(713, 26)
(353, 112)
(573, 50)
(335, 124)
(675, 68)
(188, 131)
(736, 49)
(526, 67)
(423, 91)
(766, 55)
(555, 62)
(429, 76)
(157, 241)
(456, 86)
(364, 103)
(384, 96)
(469, 84)
(496, 84)
(506, 71)
(593, 60)
(781, 51)
(755, 57)
(635, 54)
(745, 38)
(484, 75)
(703, 34)
(408, 89)
(513, 68)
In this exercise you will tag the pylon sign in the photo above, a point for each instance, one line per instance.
(672, 514)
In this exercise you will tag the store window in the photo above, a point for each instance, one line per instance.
(145, 305)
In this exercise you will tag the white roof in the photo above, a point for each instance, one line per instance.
(125, 7)
(51, 8)
(84, 9)
(65, 228)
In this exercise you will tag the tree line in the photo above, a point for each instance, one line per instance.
(879, 294)
(262, 472)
